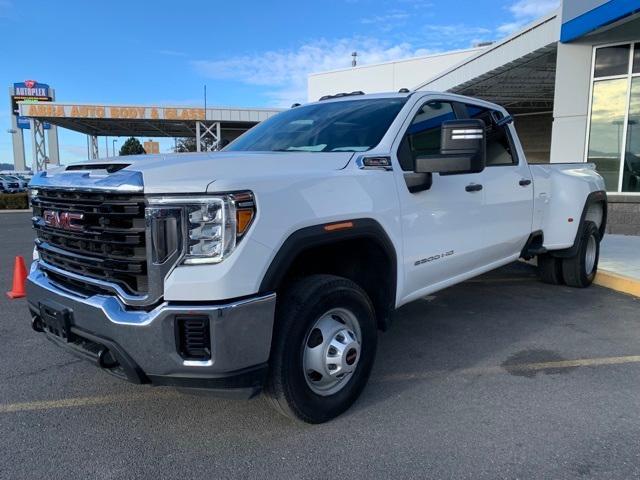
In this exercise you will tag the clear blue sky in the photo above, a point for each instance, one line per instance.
(248, 53)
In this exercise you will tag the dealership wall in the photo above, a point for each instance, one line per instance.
(574, 8)
(571, 111)
(572, 91)
(385, 77)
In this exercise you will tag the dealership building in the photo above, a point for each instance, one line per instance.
(570, 79)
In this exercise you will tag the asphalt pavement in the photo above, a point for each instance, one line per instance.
(500, 377)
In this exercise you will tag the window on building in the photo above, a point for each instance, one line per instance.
(614, 129)
(631, 166)
(611, 61)
(424, 133)
(499, 150)
(607, 126)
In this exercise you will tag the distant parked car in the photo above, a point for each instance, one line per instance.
(21, 180)
(11, 184)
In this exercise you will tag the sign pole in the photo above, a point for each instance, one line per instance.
(52, 137)
(17, 137)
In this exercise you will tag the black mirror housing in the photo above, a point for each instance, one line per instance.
(463, 149)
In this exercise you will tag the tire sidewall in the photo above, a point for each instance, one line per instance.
(314, 407)
(589, 230)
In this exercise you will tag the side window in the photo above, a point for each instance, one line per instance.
(499, 147)
(423, 135)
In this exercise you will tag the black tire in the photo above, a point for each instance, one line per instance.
(550, 269)
(296, 314)
(574, 269)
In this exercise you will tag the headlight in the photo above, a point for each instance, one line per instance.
(213, 225)
(32, 194)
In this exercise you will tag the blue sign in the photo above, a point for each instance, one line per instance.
(29, 91)
(25, 124)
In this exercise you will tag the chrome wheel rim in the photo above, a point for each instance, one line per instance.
(590, 255)
(332, 351)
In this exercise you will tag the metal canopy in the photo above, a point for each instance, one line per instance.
(210, 127)
(139, 128)
(526, 85)
(517, 72)
(143, 121)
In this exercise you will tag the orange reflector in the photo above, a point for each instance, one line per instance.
(331, 227)
(243, 219)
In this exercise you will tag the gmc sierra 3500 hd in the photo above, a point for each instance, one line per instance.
(272, 264)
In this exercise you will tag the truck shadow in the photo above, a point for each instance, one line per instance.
(490, 324)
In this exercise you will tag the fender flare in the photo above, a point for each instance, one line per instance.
(316, 236)
(599, 196)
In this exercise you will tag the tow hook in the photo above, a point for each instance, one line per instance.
(36, 324)
(105, 359)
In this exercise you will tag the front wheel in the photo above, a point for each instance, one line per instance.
(580, 270)
(323, 349)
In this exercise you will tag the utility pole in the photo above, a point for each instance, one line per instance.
(205, 103)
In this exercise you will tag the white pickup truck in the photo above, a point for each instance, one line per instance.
(273, 264)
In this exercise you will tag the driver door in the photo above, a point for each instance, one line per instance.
(442, 222)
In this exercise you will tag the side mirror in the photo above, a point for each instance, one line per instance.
(463, 149)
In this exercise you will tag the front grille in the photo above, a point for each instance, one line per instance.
(108, 243)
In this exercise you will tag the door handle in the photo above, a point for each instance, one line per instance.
(473, 187)
(524, 182)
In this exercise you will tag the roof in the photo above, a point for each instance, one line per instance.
(401, 60)
(361, 96)
(517, 72)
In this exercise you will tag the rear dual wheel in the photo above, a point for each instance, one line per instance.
(578, 271)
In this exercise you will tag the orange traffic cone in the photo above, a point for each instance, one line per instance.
(19, 278)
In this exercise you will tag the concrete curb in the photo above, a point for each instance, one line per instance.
(620, 283)
(26, 210)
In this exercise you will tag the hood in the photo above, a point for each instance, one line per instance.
(195, 172)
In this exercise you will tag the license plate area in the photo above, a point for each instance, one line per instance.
(57, 321)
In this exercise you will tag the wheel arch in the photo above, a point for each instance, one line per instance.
(341, 251)
(594, 210)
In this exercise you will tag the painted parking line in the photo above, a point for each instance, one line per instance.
(514, 368)
(155, 394)
(87, 401)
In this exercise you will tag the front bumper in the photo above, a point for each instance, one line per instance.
(141, 346)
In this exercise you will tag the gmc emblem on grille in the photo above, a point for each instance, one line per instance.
(63, 220)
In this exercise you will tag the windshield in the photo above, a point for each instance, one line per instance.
(347, 126)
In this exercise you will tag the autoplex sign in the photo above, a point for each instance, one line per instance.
(111, 112)
(32, 92)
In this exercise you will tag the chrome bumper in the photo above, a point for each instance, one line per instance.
(240, 332)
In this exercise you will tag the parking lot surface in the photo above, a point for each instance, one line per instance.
(500, 377)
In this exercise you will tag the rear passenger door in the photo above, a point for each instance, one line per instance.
(508, 189)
